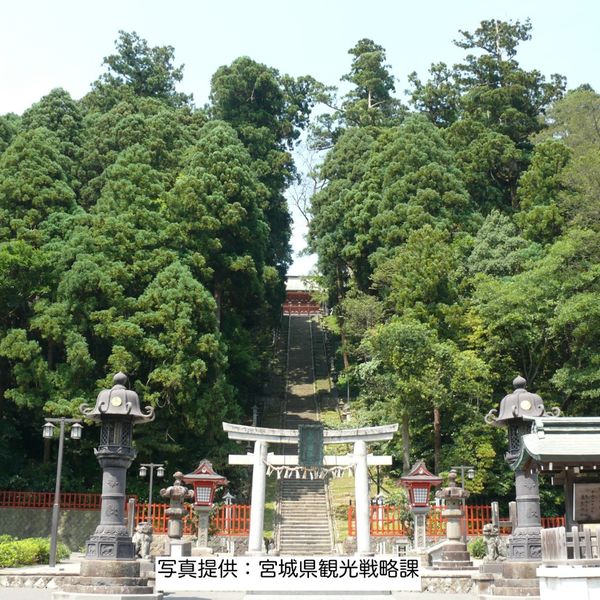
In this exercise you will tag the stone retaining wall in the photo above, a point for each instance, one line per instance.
(74, 526)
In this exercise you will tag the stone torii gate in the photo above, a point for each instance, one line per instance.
(260, 460)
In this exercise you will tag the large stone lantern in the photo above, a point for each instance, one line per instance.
(117, 410)
(517, 411)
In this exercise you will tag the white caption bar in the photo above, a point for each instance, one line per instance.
(286, 573)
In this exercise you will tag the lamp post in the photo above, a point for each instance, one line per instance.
(418, 482)
(160, 472)
(228, 498)
(205, 481)
(48, 433)
(470, 470)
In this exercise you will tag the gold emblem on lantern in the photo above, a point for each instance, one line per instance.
(525, 405)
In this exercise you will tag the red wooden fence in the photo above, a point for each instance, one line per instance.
(235, 518)
(387, 521)
(68, 500)
(232, 520)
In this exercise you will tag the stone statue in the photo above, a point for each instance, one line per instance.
(494, 545)
(142, 539)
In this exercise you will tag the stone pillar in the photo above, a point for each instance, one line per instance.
(525, 543)
(362, 504)
(203, 513)
(257, 501)
(420, 521)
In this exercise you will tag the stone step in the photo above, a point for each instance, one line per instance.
(292, 500)
(304, 542)
(522, 592)
(300, 519)
(494, 597)
(301, 550)
(533, 583)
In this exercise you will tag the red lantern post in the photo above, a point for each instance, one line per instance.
(418, 482)
(205, 481)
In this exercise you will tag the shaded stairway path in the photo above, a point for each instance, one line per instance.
(304, 517)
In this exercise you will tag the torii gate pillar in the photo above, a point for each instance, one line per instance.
(257, 502)
(363, 508)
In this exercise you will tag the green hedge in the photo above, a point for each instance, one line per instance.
(30, 551)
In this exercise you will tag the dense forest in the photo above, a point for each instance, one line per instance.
(459, 242)
(140, 233)
(457, 235)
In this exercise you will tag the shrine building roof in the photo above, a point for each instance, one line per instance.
(556, 443)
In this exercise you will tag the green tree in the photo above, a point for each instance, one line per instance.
(138, 69)
(496, 90)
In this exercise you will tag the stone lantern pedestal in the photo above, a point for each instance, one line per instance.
(110, 569)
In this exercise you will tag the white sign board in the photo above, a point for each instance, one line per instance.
(586, 502)
(287, 574)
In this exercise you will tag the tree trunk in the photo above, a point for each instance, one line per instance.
(341, 321)
(50, 355)
(405, 444)
(217, 296)
(437, 439)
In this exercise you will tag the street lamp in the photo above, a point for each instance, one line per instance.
(160, 472)
(470, 470)
(48, 434)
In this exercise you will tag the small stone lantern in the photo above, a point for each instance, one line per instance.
(525, 543)
(418, 483)
(205, 481)
(177, 494)
(454, 553)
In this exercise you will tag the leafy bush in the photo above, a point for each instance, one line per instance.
(6, 538)
(477, 548)
(29, 551)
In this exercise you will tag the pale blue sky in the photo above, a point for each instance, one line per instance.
(61, 43)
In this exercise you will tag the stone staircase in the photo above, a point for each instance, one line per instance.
(303, 513)
(304, 518)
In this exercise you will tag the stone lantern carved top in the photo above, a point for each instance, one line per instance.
(177, 493)
(517, 405)
(118, 401)
(452, 492)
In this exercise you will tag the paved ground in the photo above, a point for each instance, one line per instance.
(35, 594)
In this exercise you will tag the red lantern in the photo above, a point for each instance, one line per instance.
(205, 482)
(418, 482)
